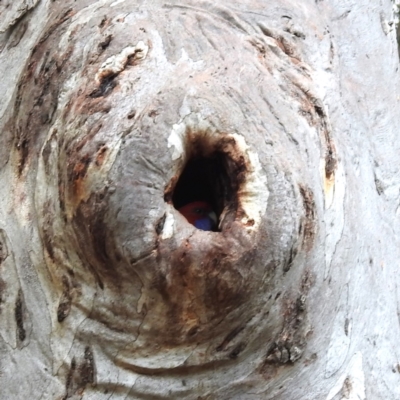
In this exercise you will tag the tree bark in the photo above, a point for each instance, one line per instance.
(283, 115)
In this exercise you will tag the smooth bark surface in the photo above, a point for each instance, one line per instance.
(286, 115)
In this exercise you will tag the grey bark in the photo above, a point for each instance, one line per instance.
(107, 292)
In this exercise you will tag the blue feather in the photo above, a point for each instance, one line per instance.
(205, 224)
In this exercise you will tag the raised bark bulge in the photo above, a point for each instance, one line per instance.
(275, 113)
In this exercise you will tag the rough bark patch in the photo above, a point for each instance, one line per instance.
(41, 82)
(292, 256)
(80, 375)
(289, 345)
(64, 306)
(231, 335)
(19, 316)
(3, 246)
(308, 226)
(47, 231)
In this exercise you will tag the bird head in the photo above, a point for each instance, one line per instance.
(200, 214)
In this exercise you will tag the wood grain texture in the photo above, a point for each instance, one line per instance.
(111, 291)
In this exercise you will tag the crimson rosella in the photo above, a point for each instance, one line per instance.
(200, 214)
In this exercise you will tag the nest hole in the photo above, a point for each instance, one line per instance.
(211, 179)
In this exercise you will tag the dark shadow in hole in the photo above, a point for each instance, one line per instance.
(206, 179)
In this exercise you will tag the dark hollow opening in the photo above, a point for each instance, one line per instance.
(206, 179)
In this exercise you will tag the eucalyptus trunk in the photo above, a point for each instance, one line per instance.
(283, 115)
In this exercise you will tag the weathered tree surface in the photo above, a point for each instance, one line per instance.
(284, 115)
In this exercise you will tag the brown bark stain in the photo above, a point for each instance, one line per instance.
(78, 175)
(19, 316)
(64, 306)
(57, 22)
(330, 162)
(231, 335)
(108, 79)
(329, 185)
(104, 23)
(80, 375)
(46, 152)
(47, 229)
(38, 91)
(289, 345)
(3, 246)
(313, 110)
(105, 43)
(329, 176)
(81, 155)
(237, 350)
(104, 89)
(203, 284)
(308, 226)
(90, 100)
(101, 155)
(95, 239)
(347, 388)
(292, 255)
(284, 43)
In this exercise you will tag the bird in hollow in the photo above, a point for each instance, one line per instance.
(200, 214)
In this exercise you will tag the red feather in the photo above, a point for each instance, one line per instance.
(196, 210)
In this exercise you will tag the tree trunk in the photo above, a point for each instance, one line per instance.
(283, 116)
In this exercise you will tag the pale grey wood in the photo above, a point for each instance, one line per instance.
(106, 292)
